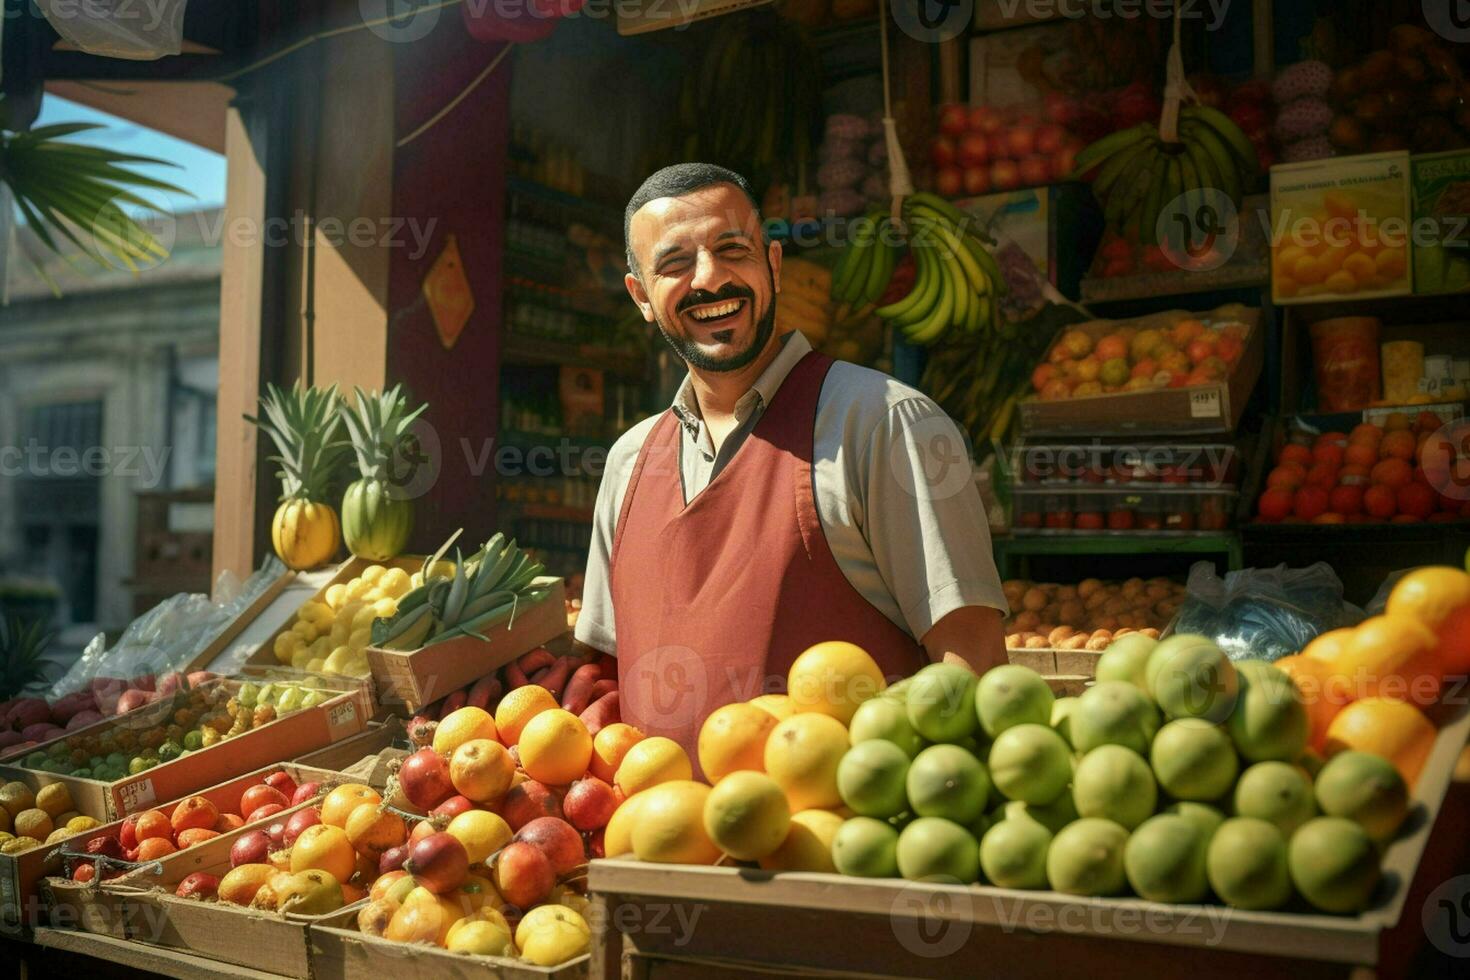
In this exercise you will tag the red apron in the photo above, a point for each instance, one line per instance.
(713, 601)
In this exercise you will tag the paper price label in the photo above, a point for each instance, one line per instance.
(341, 715)
(1204, 403)
(136, 796)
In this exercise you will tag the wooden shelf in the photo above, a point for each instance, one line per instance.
(536, 352)
(142, 957)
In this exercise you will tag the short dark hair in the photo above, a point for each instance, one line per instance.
(676, 181)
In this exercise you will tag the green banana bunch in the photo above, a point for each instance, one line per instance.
(1139, 175)
(956, 280)
(485, 592)
(866, 265)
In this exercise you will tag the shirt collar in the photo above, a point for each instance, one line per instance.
(794, 346)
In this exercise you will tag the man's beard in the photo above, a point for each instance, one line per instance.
(691, 353)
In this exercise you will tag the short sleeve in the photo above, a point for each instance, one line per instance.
(595, 626)
(923, 516)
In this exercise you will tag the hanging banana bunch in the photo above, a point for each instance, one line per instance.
(1139, 172)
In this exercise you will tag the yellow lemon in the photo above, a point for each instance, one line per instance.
(802, 754)
(833, 679)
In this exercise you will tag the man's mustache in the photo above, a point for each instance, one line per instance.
(701, 297)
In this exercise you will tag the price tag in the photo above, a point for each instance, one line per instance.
(136, 796)
(1204, 403)
(341, 715)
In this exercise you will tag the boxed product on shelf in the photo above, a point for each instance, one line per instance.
(1341, 228)
(67, 876)
(1164, 373)
(1099, 509)
(1049, 619)
(170, 759)
(1441, 191)
(1084, 464)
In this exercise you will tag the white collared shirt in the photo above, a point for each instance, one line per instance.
(893, 485)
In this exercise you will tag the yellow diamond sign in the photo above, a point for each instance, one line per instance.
(447, 290)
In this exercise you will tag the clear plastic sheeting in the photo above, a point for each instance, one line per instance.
(1263, 613)
(169, 635)
(138, 30)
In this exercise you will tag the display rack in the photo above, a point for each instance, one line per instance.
(1013, 551)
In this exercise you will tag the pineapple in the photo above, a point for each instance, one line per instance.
(304, 423)
(376, 517)
(21, 646)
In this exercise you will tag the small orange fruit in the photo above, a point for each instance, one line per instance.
(1395, 730)
(325, 848)
(1309, 675)
(555, 747)
(1392, 656)
(609, 746)
(154, 848)
(519, 707)
(373, 831)
(153, 823)
(344, 799)
(734, 737)
(1439, 597)
(461, 726)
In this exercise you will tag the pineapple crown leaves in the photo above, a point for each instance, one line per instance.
(304, 424)
(21, 646)
(378, 427)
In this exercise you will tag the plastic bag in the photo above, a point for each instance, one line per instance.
(169, 635)
(119, 28)
(1263, 613)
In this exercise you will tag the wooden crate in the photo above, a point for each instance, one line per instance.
(415, 678)
(1199, 409)
(68, 904)
(268, 941)
(678, 920)
(287, 737)
(340, 952)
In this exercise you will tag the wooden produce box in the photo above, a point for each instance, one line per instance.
(87, 906)
(1197, 409)
(1049, 661)
(415, 678)
(683, 921)
(340, 952)
(271, 942)
(287, 737)
(347, 753)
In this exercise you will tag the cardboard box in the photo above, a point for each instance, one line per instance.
(1340, 228)
(1441, 207)
(287, 737)
(419, 677)
(1197, 409)
(340, 952)
(23, 904)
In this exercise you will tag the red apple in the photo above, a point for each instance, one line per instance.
(1020, 141)
(298, 822)
(558, 840)
(942, 151)
(438, 862)
(252, 847)
(976, 181)
(453, 807)
(306, 791)
(948, 181)
(954, 119)
(1004, 175)
(200, 884)
(424, 777)
(979, 119)
(263, 812)
(589, 803)
(526, 802)
(523, 874)
(127, 834)
(1035, 170)
(973, 150)
(258, 796)
(106, 846)
(392, 859)
(283, 782)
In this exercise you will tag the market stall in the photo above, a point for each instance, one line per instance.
(1215, 416)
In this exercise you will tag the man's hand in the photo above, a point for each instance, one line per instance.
(971, 636)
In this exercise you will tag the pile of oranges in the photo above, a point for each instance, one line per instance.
(1368, 687)
(1370, 474)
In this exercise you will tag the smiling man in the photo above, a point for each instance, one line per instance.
(782, 500)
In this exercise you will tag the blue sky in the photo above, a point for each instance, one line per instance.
(199, 171)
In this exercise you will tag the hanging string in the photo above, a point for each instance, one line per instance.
(449, 107)
(900, 184)
(1176, 87)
